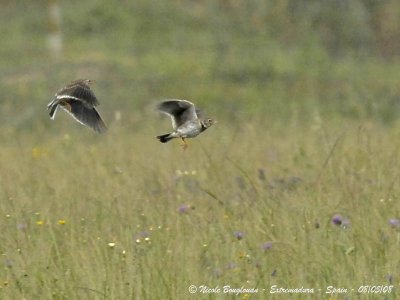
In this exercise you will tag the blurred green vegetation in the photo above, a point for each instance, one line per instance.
(307, 97)
(287, 59)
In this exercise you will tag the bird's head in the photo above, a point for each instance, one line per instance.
(206, 123)
(88, 81)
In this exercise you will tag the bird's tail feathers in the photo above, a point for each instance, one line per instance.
(165, 138)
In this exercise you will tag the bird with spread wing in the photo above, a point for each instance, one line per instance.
(185, 120)
(78, 100)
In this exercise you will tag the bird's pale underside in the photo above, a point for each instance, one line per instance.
(185, 120)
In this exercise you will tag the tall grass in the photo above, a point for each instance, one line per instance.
(122, 216)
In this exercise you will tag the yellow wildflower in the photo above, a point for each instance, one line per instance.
(38, 152)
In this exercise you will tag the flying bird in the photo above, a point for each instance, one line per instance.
(78, 100)
(185, 120)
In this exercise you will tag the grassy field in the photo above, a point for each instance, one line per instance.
(121, 216)
(297, 185)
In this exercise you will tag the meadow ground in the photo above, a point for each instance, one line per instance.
(297, 185)
(122, 216)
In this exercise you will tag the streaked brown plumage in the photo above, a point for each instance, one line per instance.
(78, 100)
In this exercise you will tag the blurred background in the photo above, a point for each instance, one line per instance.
(280, 61)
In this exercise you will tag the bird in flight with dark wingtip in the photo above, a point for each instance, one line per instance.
(78, 100)
(185, 120)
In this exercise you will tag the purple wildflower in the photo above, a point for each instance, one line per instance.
(142, 235)
(395, 223)
(337, 219)
(266, 246)
(239, 234)
(184, 208)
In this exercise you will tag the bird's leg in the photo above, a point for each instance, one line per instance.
(184, 144)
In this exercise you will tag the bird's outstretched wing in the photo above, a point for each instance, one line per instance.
(84, 115)
(180, 111)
